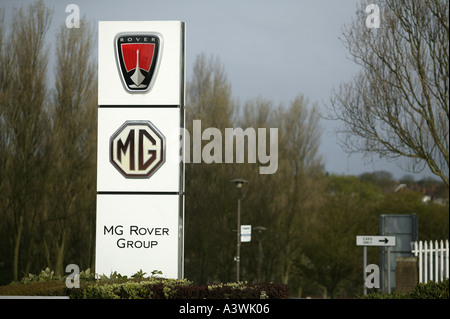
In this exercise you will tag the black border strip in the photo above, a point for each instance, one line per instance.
(135, 193)
(141, 106)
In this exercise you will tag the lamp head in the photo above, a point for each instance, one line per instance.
(239, 182)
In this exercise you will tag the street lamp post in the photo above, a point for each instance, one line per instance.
(259, 230)
(238, 183)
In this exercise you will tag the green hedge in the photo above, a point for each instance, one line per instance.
(429, 290)
(180, 289)
(50, 288)
(138, 287)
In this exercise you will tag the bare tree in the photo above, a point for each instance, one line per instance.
(73, 119)
(331, 257)
(23, 124)
(397, 106)
(4, 71)
(278, 201)
(47, 144)
(298, 179)
(209, 223)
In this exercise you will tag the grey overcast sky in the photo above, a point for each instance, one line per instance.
(274, 49)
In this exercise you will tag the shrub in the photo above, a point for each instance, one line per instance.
(180, 289)
(43, 288)
(117, 286)
(429, 290)
(44, 275)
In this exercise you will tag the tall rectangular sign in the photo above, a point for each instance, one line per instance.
(140, 168)
(405, 229)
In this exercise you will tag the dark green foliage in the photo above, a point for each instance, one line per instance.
(117, 286)
(429, 290)
(43, 288)
(149, 289)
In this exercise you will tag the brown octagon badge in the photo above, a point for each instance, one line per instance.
(137, 149)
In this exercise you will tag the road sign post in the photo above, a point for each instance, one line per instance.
(377, 241)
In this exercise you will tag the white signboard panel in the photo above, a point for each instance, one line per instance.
(137, 232)
(167, 88)
(129, 140)
(375, 240)
(246, 233)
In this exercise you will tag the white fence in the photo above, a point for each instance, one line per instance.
(433, 260)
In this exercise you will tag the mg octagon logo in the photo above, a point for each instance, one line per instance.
(137, 149)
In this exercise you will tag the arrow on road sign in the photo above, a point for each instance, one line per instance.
(369, 240)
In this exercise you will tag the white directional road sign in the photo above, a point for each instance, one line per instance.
(368, 240)
(246, 233)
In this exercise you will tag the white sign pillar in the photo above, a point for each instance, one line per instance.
(140, 167)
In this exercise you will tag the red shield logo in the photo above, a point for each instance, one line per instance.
(137, 56)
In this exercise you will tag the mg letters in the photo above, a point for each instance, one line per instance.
(137, 149)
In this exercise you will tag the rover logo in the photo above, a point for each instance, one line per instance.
(137, 149)
(137, 59)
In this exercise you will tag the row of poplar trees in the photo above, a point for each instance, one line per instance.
(47, 143)
(48, 130)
